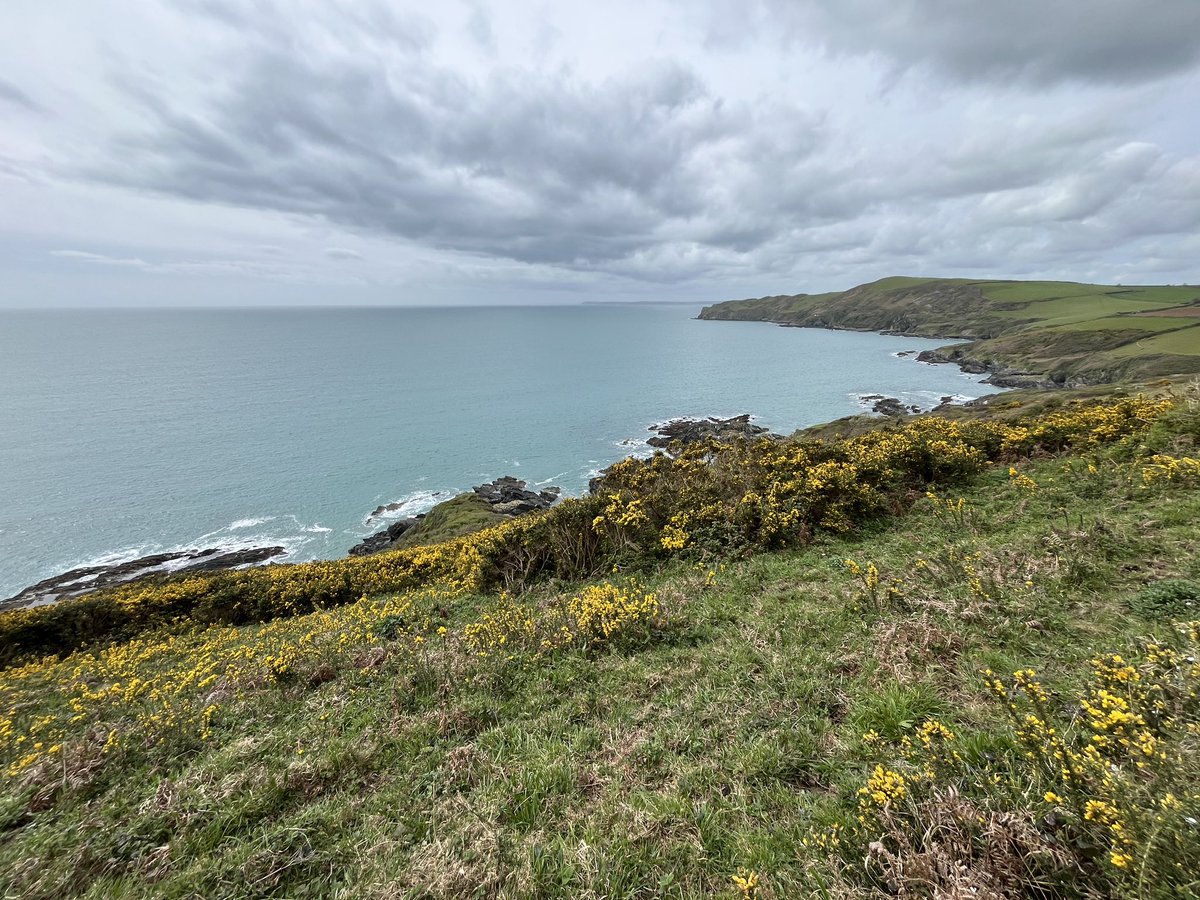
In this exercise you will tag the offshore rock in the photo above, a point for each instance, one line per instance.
(78, 582)
(890, 406)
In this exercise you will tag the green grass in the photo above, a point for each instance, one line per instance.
(1118, 323)
(460, 515)
(658, 769)
(1183, 342)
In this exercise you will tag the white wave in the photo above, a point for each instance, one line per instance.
(408, 505)
(249, 523)
(550, 480)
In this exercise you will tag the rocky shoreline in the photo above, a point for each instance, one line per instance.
(504, 498)
(998, 375)
(78, 582)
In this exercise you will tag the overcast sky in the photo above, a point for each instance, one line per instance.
(183, 152)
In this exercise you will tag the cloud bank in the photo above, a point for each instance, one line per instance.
(643, 150)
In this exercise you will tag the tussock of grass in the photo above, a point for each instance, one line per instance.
(452, 742)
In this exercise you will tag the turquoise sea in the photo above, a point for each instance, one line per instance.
(126, 432)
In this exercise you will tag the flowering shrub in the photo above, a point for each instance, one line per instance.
(715, 496)
(1165, 468)
(597, 615)
(1113, 787)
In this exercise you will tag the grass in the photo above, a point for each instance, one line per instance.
(660, 763)
(460, 515)
(1031, 333)
(1183, 341)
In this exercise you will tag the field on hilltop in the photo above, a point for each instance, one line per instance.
(938, 656)
(1028, 332)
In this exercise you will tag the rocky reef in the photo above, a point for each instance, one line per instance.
(890, 406)
(78, 582)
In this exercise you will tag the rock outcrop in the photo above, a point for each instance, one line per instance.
(78, 582)
(690, 431)
(508, 496)
(888, 406)
(381, 540)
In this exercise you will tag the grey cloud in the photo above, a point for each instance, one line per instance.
(1032, 41)
(650, 176)
(13, 95)
(541, 170)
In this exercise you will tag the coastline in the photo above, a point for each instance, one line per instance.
(505, 497)
(997, 376)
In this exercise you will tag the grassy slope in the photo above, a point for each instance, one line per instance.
(461, 515)
(1031, 332)
(651, 770)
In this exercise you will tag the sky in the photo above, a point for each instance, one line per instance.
(261, 152)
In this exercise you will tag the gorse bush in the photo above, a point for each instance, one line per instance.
(714, 496)
(168, 687)
(1099, 802)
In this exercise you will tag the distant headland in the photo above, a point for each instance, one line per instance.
(1026, 333)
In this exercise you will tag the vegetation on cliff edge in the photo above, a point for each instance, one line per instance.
(945, 658)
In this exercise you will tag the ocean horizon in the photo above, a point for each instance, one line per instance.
(126, 432)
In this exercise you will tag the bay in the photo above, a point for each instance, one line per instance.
(127, 432)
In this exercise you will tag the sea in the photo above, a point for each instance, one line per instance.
(130, 432)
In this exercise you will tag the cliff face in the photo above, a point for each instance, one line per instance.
(1027, 334)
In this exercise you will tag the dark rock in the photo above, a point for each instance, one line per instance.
(383, 539)
(78, 582)
(509, 496)
(690, 431)
(516, 507)
(890, 406)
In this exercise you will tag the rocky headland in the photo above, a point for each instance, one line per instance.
(485, 505)
(1022, 334)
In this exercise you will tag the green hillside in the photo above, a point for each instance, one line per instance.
(940, 657)
(1027, 332)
